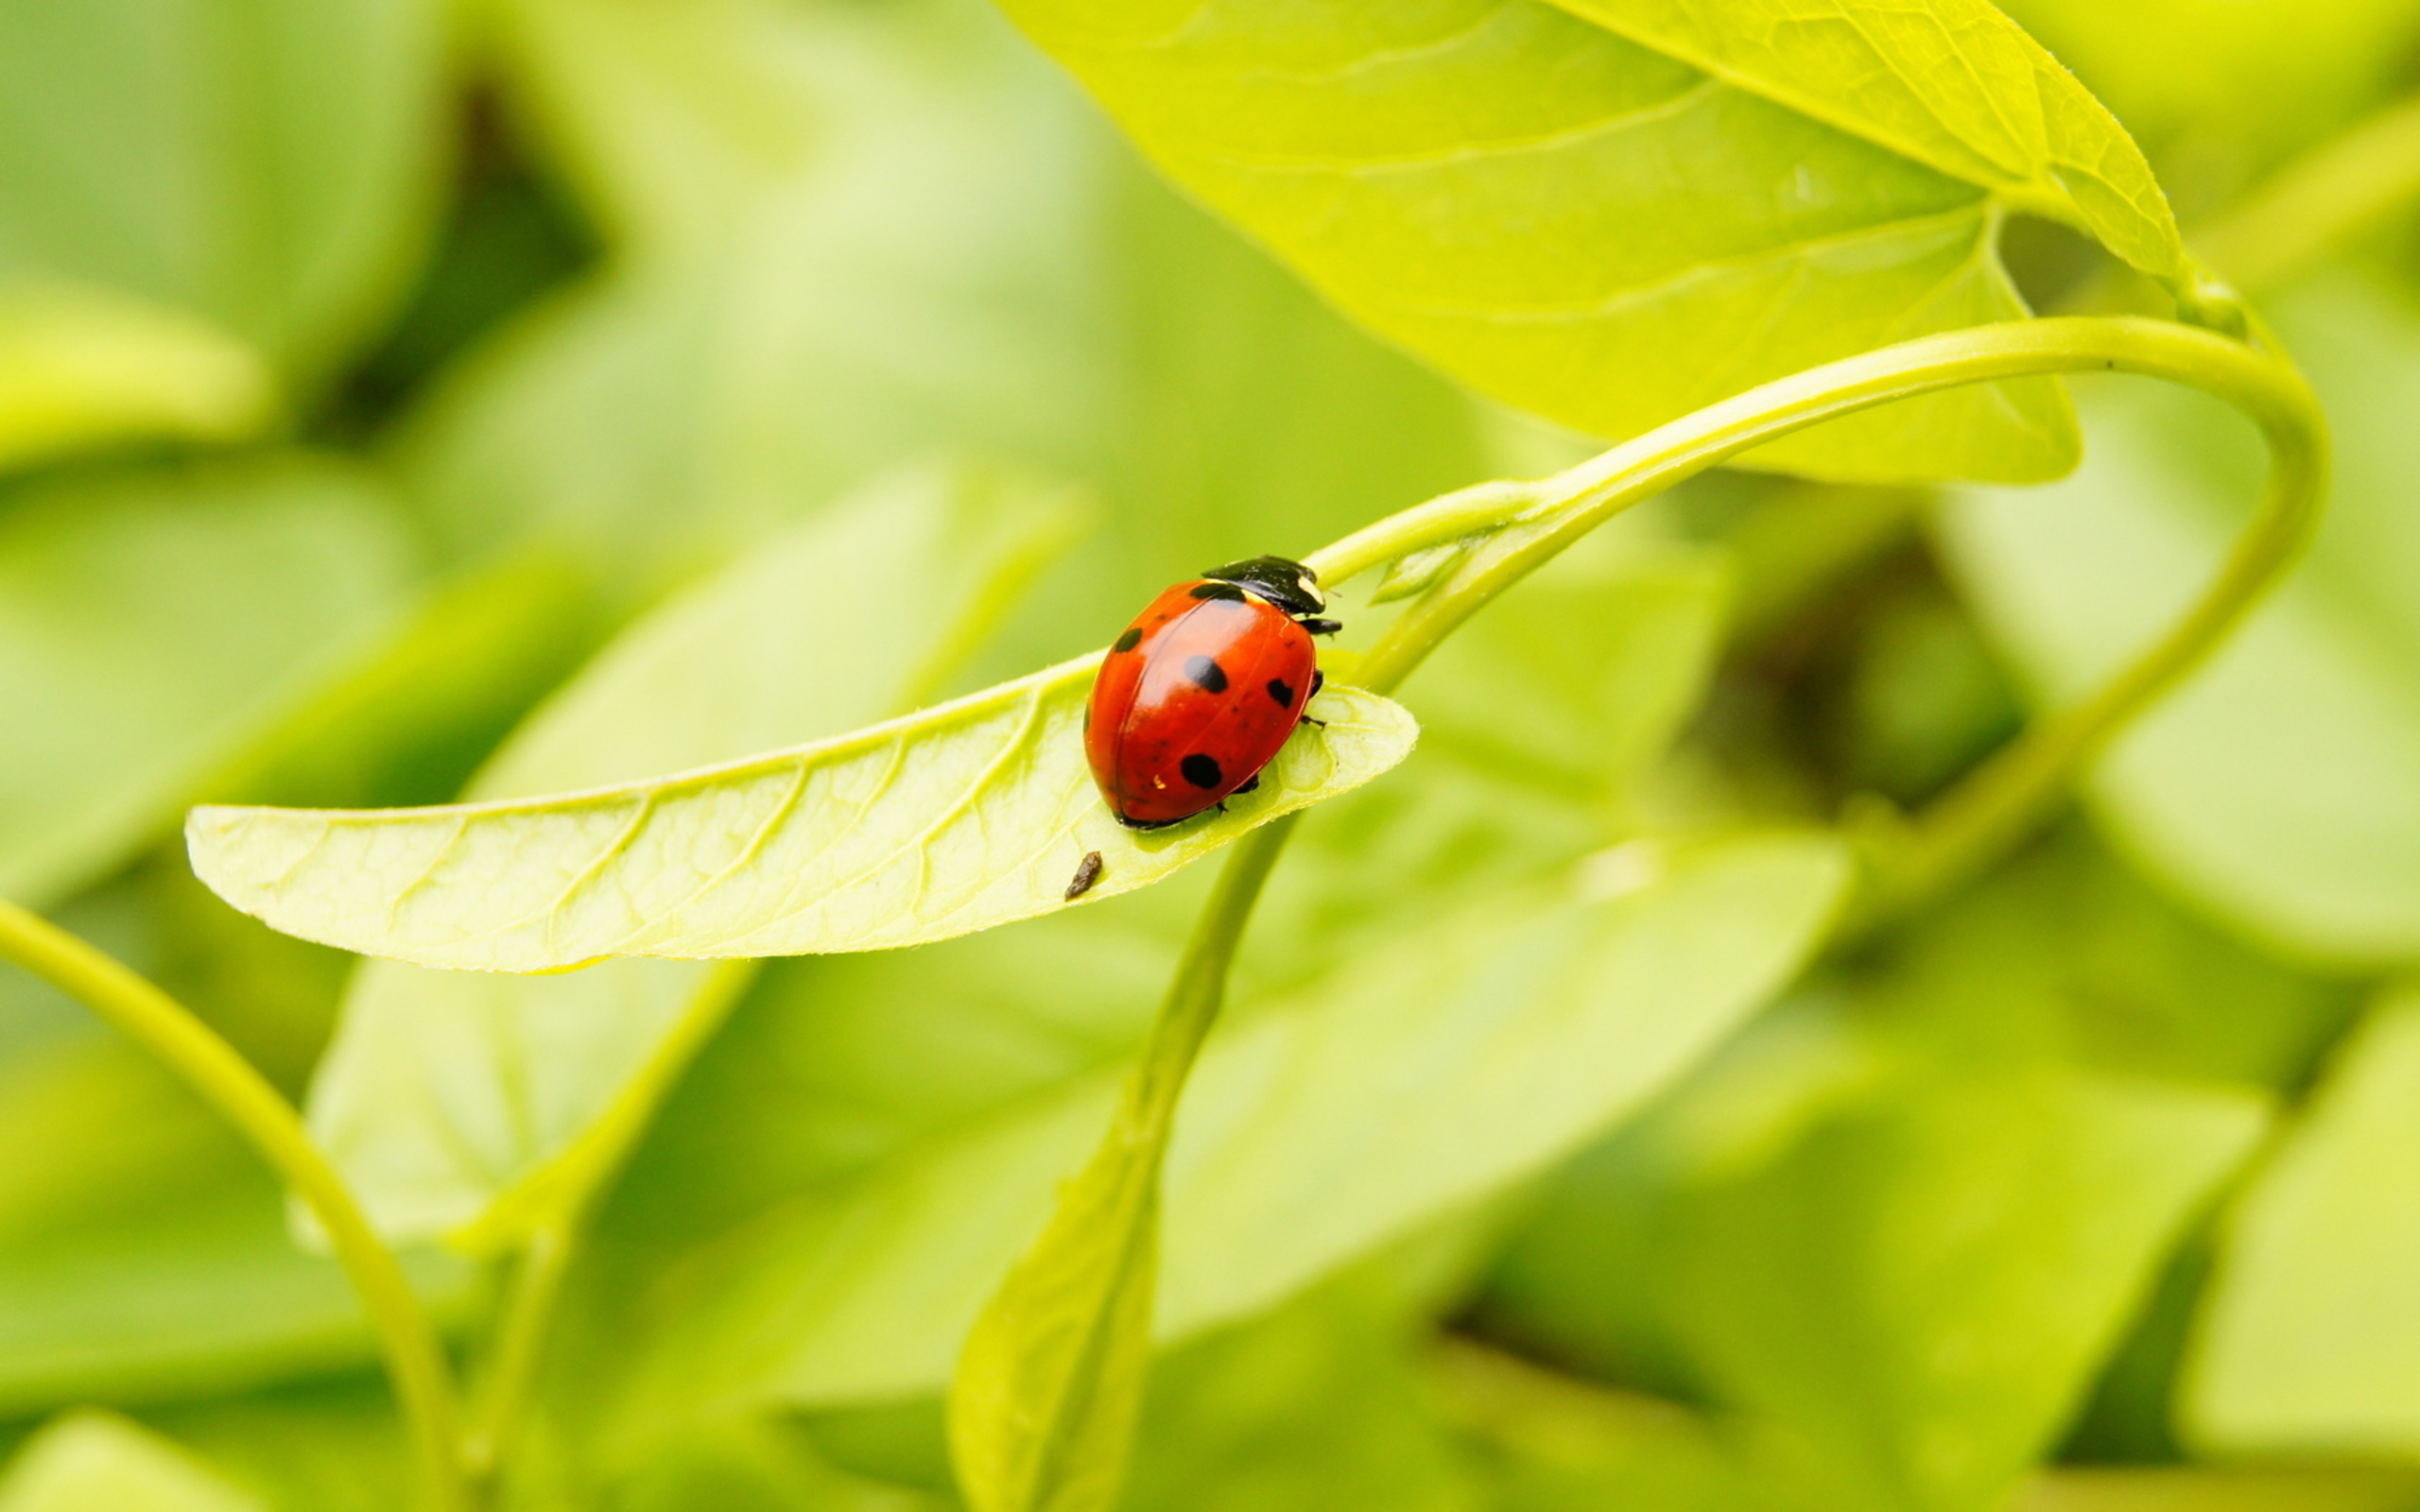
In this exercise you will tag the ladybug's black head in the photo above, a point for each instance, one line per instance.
(1288, 584)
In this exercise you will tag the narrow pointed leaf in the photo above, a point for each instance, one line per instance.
(957, 818)
(450, 1099)
(1043, 1404)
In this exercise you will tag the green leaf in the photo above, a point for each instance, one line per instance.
(154, 628)
(81, 369)
(963, 817)
(270, 166)
(1613, 214)
(1313, 1407)
(1901, 1267)
(2310, 1341)
(2221, 94)
(447, 1093)
(1044, 1396)
(1341, 1115)
(2276, 786)
(91, 1460)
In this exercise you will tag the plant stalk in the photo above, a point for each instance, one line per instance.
(416, 1363)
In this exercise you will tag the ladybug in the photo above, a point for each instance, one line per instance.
(1203, 689)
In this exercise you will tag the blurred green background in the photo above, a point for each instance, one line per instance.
(400, 399)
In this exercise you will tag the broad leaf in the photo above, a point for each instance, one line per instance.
(267, 165)
(1356, 1109)
(966, 816)
(1616, 212)
(91, 1460)
(83, 368)
(2276, 787)
(445, 1092)
(1901, 1267)
(154, 628)
(2219, 94)
(2310, 1338)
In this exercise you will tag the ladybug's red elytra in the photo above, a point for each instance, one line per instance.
(1203, 689)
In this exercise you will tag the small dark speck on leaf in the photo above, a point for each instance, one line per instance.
(1087, 872)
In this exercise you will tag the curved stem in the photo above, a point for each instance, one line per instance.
(1505, 531)
(415, 1358)
(1996, 802)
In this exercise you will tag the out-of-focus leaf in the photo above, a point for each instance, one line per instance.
(2276, 787)
(154, 628)
(1923, 1289)
(1616, 212)
(963, 817)
(1901, 1268)
(143, 1254)
(267, 165)
(1314, 1407)
(2219, 92)
(331, 1444)
(2309, 1342)
(1579, 676)
(1392, 1094)
(81, 367)
(1550, 1443)
(2199, 1489)
(754, 1465)
(448, 1090)
(941, 246)
(97, 1462)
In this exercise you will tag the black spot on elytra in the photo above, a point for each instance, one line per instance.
(1202, 771)
(1228, 590)
(1284, 694)
(1207, 675)
(1128, 641)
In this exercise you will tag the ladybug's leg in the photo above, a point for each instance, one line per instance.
(1320, 627)
(1318, 681)
(1248, 784)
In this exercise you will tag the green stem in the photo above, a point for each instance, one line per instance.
(1147, 1110)
(415, 1358)
(1507, 531)
(1511, 535)
(562, 1199)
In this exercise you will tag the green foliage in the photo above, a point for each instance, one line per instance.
(2306, 1341)
(1534, 196)
(667, 438)
(447, 1092)
(91, 1460)
(960, 817)
(266, 167)
(2276, 787)
(86, 368)
(164, 622)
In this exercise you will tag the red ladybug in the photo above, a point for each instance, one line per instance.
(1203, 688)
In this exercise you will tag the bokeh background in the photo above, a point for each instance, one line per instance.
(401, 398)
